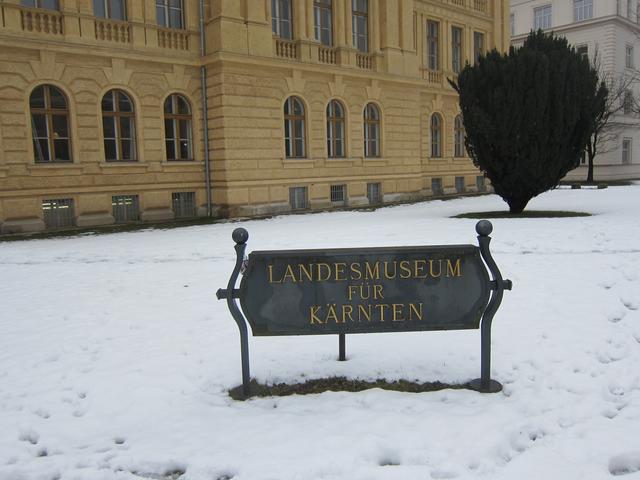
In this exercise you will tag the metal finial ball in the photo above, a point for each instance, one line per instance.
(484, 228)
(240, 235)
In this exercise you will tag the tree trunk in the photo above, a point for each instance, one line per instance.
(590, 170)
(516, 205)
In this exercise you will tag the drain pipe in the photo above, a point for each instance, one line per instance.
(205, 113)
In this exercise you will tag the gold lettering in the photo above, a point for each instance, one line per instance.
(386, 272)
(372, 273)
(398, 310)
(307, 273)
(382, 308)
(327, 269)
(351, 289)
(418, 265)
(331, 313)
(406, 271)
(368, 290)
(377, 292)
(340, 271)
(431, 272)
(271, 280)
(355, 269)
(347, 310)
(288, 273)
(455, 271)
(313, 315)
(413, 309)
(366, 313)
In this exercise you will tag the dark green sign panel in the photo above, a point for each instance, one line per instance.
(312, 292)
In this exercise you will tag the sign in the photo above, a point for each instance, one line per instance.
(367, 290)
(313, 292)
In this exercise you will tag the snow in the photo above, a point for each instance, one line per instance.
(116, 357)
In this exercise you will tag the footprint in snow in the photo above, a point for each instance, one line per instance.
(29, 435)
(625, 463)
(630, 304)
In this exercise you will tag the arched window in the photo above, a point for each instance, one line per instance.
(294, 132)
(177, 128)
(50, 125)
(335, 129)
(436, 135)
(371, 131)
(458, 137)
(118, 127)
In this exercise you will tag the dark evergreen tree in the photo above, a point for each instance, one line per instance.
(528, 115)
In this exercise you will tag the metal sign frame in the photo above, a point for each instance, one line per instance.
(482, 320)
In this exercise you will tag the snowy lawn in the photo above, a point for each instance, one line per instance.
(116, 357)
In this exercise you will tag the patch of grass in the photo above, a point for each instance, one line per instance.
(339, 384)
(525, 214)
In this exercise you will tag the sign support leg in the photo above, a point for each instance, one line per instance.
(342, 348)
(485, 384)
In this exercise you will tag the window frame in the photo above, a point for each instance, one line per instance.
(456, 49)
(336, 144)
(433, 45)
(117, 115)
(372, 146)
(627, 146)
(278, 20)
(107, 4)
(49, 113)
(291, 119)
(628, 56)
(627, 102)
(38, 4)
(320, 6)
(435, 130)
(542, 17)
(166, 7)
(582, 10)
(458, 137)
(356, 34)
(175, 119)
(478, 46)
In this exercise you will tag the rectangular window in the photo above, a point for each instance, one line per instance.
(184, 204)
(478, 45)
(583, 51)
(456, 49)
(582, 10)
(626, 151)
(433, 45)
(281, 18)
(46, 4)
(436, 186)
(169, 13)
(627, 102)
(113, 9)
(298, 198)
(125, 208)
(460, 187)
(512, 24)
(629, 14)
(339, 194)
(542, 17)
(323, 22)
(360, 24)
(58, 213)
(480, 183)
(374, 193)
(628, 56)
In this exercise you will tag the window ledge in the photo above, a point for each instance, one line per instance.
(298, 162)
(123, 164)
(374, 160)
(53, 165)
(177, 163)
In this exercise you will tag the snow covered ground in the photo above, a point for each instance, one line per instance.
(116, 357)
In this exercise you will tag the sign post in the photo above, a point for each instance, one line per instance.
(367, 290)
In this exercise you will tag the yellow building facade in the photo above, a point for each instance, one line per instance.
(309, 104)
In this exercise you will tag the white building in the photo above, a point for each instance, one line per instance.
(610, 29)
